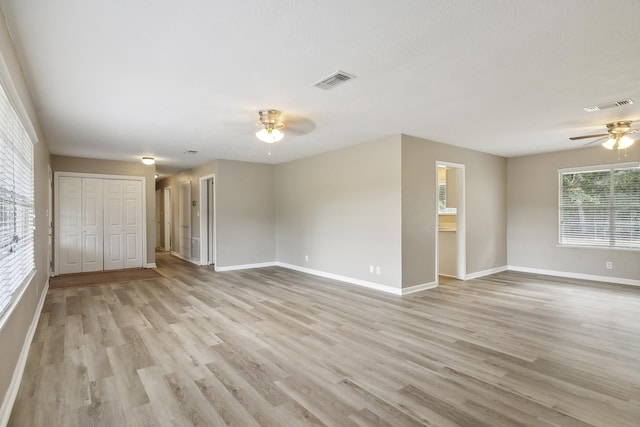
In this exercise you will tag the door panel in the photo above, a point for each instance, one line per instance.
(113, 225)
(93, 223)
(133, 224)
(70, 220)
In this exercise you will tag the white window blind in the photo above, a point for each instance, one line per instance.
(600, 206)
(16, 203)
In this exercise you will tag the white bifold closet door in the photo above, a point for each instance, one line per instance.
(122, 224)
(100, 224)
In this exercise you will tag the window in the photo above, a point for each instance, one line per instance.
(600, 206)
(16, 203)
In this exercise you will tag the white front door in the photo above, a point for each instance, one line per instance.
(92, 224)
(70, 224)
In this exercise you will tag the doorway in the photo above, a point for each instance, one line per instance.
(167, 219)
(207, 220)
(450, 224)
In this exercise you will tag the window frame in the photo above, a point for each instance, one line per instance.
(611, 168)
(19, 203)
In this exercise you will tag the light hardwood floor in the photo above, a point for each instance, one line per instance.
(274, 347)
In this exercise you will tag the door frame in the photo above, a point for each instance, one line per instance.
(167, 218)
(204, 219)
(56, 223)
(461, 231)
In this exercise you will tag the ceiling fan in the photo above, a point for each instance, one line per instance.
(617, 135)
(272, 122)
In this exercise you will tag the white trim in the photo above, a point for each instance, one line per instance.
(486, 272)
(204, 220)
(353, 281)
(245, 266)
(418, 288)
(599, 168)
(150, 265)
(56, 222)
(18, 372)
(176, 254)
(461, 227)
(582, 276)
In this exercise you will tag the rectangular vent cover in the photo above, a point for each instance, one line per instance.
(613, 104)
(335, 79)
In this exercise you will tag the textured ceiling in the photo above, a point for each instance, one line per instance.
(121, 79)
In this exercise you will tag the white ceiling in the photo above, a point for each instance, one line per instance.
(120, 79)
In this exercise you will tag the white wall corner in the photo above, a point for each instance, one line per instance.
(18, 372)
(582, 276)
(418, 288)
(486, 272)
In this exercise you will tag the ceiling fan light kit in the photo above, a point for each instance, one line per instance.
(271, 125)
(617, 135)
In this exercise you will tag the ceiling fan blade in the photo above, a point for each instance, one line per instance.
(298, 125)
(593, 142)
(574, 138)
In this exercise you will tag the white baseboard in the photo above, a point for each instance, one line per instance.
(418, 288)
(151, 265)
(353, 281)
(176, 254)
(244, 266)
(568, 274)
(486, 272)
(16, 379)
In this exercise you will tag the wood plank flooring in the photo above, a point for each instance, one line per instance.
(274, 347)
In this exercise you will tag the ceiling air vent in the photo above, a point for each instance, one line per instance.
(613, 104)
(333, 80)
(191, 152)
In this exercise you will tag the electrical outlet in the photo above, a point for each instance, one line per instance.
(378, 270)
(609, 265)
(306, 258)
(371, 269)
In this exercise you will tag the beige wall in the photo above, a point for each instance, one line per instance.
(15, 328)
(113, 167)
(533, 216)
(342, 208)
(485, 204)
(245, 213)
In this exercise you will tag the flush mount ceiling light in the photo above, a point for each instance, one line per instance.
(147, 160)
(617, 135)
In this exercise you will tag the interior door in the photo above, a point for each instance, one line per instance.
(132, 223)
(92, 224)
(167, 219)
(158, 217)
(113, 225)
(185, 219)
(70, 224)
(211, 243)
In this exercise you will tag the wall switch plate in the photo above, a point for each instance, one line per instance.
(306, 257)
(378, 270)
(371, 269)
(609, 265)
